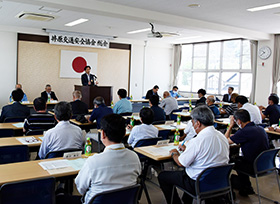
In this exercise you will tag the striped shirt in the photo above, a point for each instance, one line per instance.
(231, 108)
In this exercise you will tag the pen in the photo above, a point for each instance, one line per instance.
(182, 144)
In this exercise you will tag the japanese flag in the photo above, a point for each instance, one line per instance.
(72, 63)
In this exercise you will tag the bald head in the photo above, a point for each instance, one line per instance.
(210, 100)
(166, 94)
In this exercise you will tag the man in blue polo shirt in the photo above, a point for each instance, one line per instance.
(253, 140)
(272, 111)
(99, 111)
(123, 105)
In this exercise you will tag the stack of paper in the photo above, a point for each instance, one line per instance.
(29, 140)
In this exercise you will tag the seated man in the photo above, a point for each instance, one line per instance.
(41, 120)
(158, 112)
(189, 132)
(174, 92)
(232, 107)
(169, 104)
(254, 111)
(16, 109)
(48, 94)
(227, 97)
(64, 135)
(201, 94)
(116, 167)
(152, 92)
(78, 107)
(210, 103)
(145, 130)
(253, 140)
(19, 86)
(197, 156)
(272, 111)
(123, 105)
(99, 111)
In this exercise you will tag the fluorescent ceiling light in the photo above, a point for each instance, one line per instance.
(76, 22)
(139, 31)
(260, 8)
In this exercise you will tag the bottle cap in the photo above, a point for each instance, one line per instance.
(88, 138)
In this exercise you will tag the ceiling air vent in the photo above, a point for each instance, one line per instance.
(35, 16)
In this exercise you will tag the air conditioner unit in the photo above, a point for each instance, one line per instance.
(34, 16)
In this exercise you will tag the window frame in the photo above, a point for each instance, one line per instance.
(220, 70)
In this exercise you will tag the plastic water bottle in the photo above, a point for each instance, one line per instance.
(176, 137)
(132, 122)
(88, 147)
(179, 119)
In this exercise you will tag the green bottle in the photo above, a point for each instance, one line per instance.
(88, 147)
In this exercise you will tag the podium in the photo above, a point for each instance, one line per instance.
(90, 92)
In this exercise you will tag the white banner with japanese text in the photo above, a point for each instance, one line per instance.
(78, 40)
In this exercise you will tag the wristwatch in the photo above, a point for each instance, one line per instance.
(174, 153)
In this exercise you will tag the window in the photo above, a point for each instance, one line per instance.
(215, 66)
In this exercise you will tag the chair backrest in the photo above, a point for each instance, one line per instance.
(147, 142)
(16, 153)
(29, 192)
(60, 153)
(213, 179)
(164, 134)
(35, 132)
(127, 195)
(159, 122)
(7, 132)
(265, 161)
(174, 116)
(14, 119)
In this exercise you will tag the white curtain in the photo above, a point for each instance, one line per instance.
(177, 62)
(276, 64)
(253, 51)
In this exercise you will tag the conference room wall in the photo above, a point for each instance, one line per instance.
(151, 64)
(39, 64)
(8, 63)
(264, 74)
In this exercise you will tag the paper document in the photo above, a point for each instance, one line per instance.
(77, 164)
(29, 140)
(57, 164)
(18, 125)
(160, 151)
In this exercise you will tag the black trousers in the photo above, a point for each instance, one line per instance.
(243, 165)
(68, 199)
(167, 179)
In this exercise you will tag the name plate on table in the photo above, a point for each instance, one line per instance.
(169, 122)
(69, 155)
(162, 142)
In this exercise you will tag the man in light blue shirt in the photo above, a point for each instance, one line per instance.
(19, 86)
(174, 92)
(123, 105)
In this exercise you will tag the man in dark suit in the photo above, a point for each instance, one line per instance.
(88, 78)
(78, 107)
(152, 92)
(48, 94)
(227, 97)
(16, 109)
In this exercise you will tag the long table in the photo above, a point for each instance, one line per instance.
(11, 141)
(11, 126)
(30, 170)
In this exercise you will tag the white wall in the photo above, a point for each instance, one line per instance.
(264, 74)
(8, 63)
(151, 64)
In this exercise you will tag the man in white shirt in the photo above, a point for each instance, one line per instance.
(64, 135)
(169, 103)
(208, 149)
(116, 167)
(254, 111)
(145, 130)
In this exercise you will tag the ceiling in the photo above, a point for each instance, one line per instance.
(213, 20)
